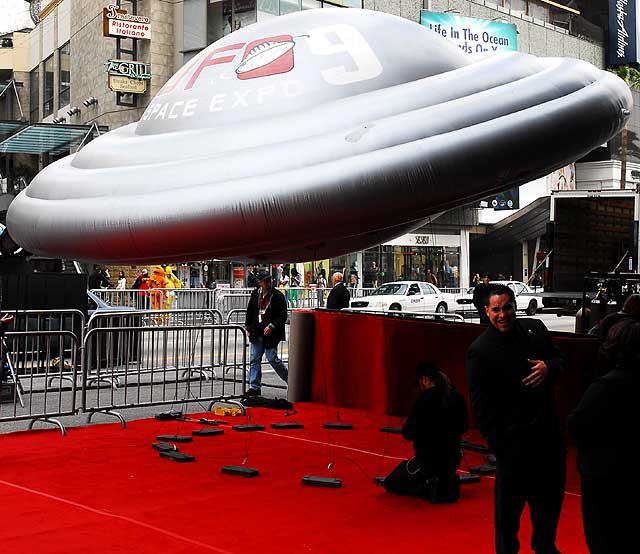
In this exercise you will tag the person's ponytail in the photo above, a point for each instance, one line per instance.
(441, 381)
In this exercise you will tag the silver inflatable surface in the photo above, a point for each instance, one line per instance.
(313, 135)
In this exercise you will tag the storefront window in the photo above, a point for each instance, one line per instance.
(450, 277)
(34, 94)
(48, 87)
(244, 13)
(194, 14)
(64, 76)
(290, 6)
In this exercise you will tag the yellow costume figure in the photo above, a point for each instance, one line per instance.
(171, 282)
(158, 281)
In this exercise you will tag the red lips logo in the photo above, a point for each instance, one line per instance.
(267, 56)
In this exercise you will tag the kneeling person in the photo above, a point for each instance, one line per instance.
(436, 423)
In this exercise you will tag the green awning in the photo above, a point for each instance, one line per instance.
(47, 138)
(10, 127)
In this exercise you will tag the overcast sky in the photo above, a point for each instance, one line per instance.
(14, 15)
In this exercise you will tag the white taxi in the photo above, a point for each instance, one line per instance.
(406, 296)
(526, 298)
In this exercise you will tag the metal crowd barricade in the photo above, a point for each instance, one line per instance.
(158, 299)
(148, 318)
(156, 318)
(227, 300)
(29, 359)
(447, 316)
(53, 320)
(49, 320)
(157, 365)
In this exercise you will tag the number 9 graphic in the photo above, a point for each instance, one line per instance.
(367, 65)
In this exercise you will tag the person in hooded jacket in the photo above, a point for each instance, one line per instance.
(436, 424)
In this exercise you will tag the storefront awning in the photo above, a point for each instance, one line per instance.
(47, 138)
(10, 127)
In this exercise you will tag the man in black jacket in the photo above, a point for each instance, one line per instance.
(252, 280)
(510, 369)
(480, 294)
(603, 424)
(265, 322)
(98, 279)
(339, 296)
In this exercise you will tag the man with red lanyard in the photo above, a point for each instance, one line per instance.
(265, 321)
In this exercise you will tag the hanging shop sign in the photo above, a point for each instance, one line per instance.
(474, 36)
(116, 22)
(425, 240)
(127, 85)
(623, 36)
(128, 76)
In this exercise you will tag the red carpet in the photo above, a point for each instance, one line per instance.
(104, 489)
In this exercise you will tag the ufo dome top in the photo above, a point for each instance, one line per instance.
(306, 59)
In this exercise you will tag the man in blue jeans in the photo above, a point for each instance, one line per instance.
(265, 321)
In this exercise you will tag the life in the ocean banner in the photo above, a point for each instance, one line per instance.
(474, 36)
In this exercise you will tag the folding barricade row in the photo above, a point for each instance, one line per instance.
(165, 358)
(32, 362)
(124, 367)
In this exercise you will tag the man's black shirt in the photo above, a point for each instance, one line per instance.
(275, 315)
(509, 413)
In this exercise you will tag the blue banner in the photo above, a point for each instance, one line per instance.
(474, 36)
(623, 49)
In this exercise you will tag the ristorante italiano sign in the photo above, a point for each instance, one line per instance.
(116, 22)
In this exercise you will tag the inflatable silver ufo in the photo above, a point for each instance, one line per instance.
(313, 135)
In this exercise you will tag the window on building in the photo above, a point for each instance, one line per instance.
(194, 13)
(47, 107)
(64, 74)
(34, 93)
(537, 10)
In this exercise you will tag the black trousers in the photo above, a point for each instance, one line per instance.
(608, 525)
(529, 477)
(409, 478)
(415, 478)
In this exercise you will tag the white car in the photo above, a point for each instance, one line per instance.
(406, 296)
(526, 299)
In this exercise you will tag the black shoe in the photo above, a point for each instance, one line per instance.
(252, 392)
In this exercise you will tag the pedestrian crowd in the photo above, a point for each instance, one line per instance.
(160, 277)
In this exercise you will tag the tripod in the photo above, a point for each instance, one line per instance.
(6, 361)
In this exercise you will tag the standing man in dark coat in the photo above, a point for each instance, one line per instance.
(603, 423)
(339, 296)
(510, 370)
(98, 279)
(252, 280)
(480, 296)
(265, 322)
